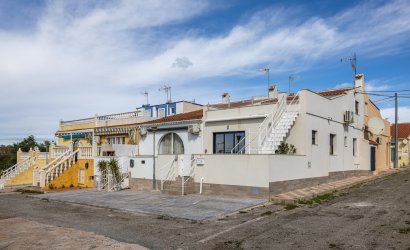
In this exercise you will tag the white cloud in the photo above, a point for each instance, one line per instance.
(343, 85)
(404, 114)
(85, 58)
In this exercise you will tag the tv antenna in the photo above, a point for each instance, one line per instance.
(146, 95)
(167, 90)
(267, 73)
(353, 62)
(291, 78)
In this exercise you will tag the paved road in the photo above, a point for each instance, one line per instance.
(193, 207)
(372, 216)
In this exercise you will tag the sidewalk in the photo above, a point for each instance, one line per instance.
(307, 193)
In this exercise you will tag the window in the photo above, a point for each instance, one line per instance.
(171, 144)
(356, 107)
(172, 110)
(332, 144)
(228, 142)
(116, 140)
(354, 147)
(314, 137)
(161, 112)
(345, 141)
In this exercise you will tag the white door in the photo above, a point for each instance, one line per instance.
(81, 176)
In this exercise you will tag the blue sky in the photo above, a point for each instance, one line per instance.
(73, 59)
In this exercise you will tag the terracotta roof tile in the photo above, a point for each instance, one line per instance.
(334, 92)
(404, 130)
(193, 115)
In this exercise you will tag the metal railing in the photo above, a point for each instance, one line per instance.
(15, 170)
(191, 174)
(118, 116)
(266, 127)
(171, 173)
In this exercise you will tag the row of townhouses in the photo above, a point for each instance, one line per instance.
(256, 147)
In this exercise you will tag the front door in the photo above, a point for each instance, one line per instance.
(372, 158)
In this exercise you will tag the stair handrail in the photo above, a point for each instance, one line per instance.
(56, 160)
(62, 160)
(284, 109)
(50, 169)
(16, 166)
(191, 173)
(268, 123)
(293, 101)
(264, 126)
(168, 175)
(117, 185)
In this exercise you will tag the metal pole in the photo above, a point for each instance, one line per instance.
(154, 185)
(268, 80)
(289, 85)
(396, 132)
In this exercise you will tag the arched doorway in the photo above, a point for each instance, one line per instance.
(171, 144)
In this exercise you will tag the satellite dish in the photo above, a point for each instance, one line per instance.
(376, 125)
(405, 141)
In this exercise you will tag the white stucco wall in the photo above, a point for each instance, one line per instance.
(326, 117)
(192, 143)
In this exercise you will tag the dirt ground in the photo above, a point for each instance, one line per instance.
(375, 215)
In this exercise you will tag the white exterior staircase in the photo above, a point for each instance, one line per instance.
(15, 170)
(273, 130)
(279, 132)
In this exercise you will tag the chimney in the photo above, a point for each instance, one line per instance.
(272, 92)
(359, 81)
(225, 98)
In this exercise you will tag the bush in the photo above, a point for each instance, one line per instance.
(71, 185)
(286, 149)
(50, 186)
(62, 186)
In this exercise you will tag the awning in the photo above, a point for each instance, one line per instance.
(112, 131)
(74, 136)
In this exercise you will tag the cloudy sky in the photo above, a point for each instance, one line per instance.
(74, 59)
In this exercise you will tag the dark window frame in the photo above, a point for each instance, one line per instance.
(332, 144)
(314, 137)
(234, 141)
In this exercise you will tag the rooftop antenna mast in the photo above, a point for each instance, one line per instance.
(267, 73)
(353, 62)
(146, 95)
(167, 89)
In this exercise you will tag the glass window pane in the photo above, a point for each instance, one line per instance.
(240, 148)
(219, 143)
(165, 146)
(229, 142)
(178, 145)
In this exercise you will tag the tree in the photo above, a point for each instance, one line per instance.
(8, 153)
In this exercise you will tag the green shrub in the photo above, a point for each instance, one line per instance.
(62, 186)
(50, 186)
(71, 185)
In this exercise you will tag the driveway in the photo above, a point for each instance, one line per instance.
(193, 207)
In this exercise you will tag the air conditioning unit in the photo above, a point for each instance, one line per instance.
(194, 129)
(348, 117)
(142, 131)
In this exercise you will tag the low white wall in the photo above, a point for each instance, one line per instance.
(243, 170)
(125, 149)
(254, 170)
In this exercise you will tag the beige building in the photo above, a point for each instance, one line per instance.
(380, 158)
(404, 138)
